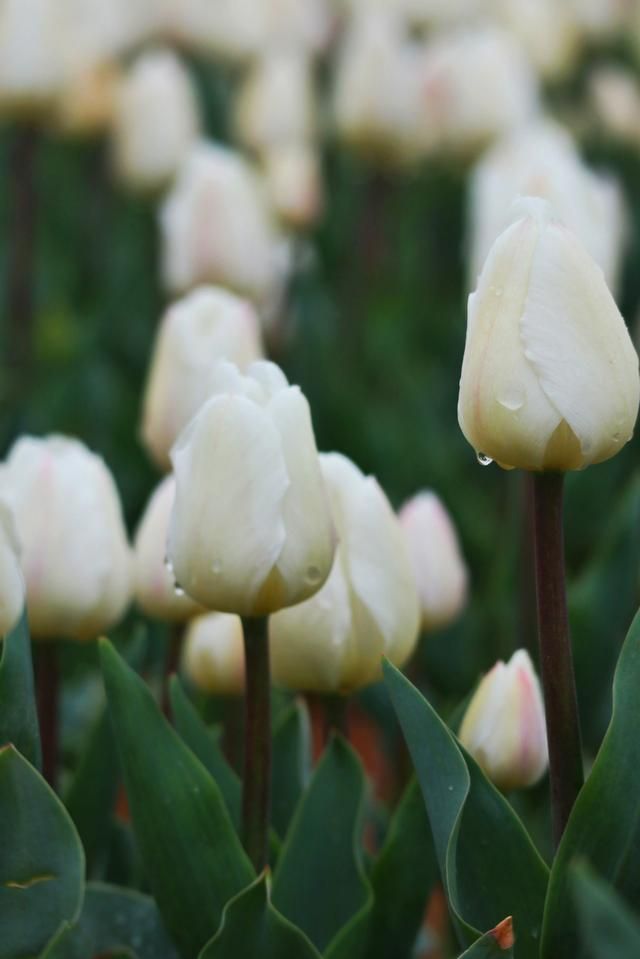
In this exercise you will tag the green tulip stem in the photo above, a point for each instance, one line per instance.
(556, 661)
(21, 253)
(47, 695)
(171, 663)
(336, 716)
(256, 796)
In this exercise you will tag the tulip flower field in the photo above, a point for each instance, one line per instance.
(320, 489)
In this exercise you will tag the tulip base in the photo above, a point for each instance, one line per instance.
(556, 660)
(47, 696)
(256, 796)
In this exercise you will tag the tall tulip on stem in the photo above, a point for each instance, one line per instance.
(549, 384)
(251, 533)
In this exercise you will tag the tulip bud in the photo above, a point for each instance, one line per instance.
(549, 376)
(218, 227)
(11, 579)
(251, 530)
(504, 726)
(367, 609)
(213, 657)
(156, 120)
(206, 326)
(31, 54)
(294, 182)
(438, 566)
(542, 160)
(155, 588)
(275, 105)
(74, 552)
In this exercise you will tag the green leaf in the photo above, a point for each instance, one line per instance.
(18, 715)
(41, 860)
(489, 866)
(609, 930)
(496, 944)
(251, 926)
(319, 882)
(193, 857)
(604, 824)
(291, 763)
(402, 877)
(114, 919)
(203, 744)
(91, 795)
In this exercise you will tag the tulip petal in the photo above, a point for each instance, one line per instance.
(228, 516)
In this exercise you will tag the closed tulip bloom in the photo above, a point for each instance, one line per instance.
(275, 105)
(504, 726)
(73, 544)
(549, 32)
(213, 657)
(542, 160)
(31, 54)
(293, 178)
(549, 376)
(367, 609)
(439, 569)
(154, 584)
(12, 591)
(251, 530)
(218, 227)
(205, 326)
(156, 120)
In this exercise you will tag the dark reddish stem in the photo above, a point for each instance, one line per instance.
(256, 797)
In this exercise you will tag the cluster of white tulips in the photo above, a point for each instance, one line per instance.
(249, 520)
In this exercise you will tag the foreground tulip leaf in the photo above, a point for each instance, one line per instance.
(496, 944)
(114, 919)
(319, 883)
(203, 744)
(18, 715)
(251, 926)
(402, 877)
(608, 928)
(192, 855)
(92, 792)
(291, 763)
(604, 826)
(41, 860)
(489, 866)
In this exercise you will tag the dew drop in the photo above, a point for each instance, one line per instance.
(512, 399)
(498, 291)
(615, 438)
(178, 590)
(216, 567)
(483, 459)
(313, 575)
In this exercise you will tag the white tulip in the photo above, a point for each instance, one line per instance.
(218, 227)
(154, 585)
(293, 178)
(615, 98)
(31, 54)
(156, 120)
(206, 326)
(542, 160)
(367, 609)
(12, 589)
(213, 657)
(251, 530)
(549, 376)
(73, 544)
(548, 31)
(504, 727)
(439, 569)
(275, 105)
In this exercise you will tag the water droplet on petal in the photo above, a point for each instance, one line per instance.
(483, 459)
(512, 399)
(313, 575)
(498, 291)
(178, 590)
(216, 567)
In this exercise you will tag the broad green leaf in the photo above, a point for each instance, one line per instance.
(402, 877)
(319, 882)
(92, 792)
(193, 857)
(18, 713)
(114, 919)
(608, 928)
(251, 926)
(489, 866)
(496, 944)
(203, 744)
(291, 763)
(603, 827)
(41, 860)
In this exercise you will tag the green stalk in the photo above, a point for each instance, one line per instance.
(256, 797)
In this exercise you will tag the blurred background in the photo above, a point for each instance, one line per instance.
(389, 139)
